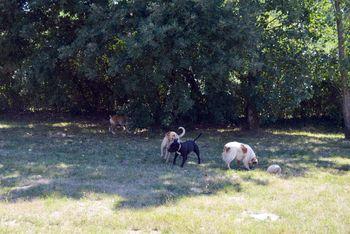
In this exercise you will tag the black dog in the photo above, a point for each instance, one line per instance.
(183, 149)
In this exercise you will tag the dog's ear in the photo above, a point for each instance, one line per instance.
(244, 149)
(226, 149)
(167, 135)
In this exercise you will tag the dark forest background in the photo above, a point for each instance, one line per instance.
(168, 62)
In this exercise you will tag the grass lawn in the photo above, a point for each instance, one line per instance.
(63, 176)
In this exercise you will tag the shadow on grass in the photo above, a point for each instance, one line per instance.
(77, 159)
(164, 184)
(73, 160)
(257, 181)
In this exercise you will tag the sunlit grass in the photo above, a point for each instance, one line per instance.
(62, 124)
(29, 125)
(4, 126)
(308, 134)
(71, 124)
(89, 181)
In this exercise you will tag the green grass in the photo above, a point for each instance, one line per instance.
(73, 176)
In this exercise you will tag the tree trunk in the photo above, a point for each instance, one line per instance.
(189, 76)
(346, 113)
(252, 117)
(343, 72)
(250, 109)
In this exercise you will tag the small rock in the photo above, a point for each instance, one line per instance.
(264, 216)
(274, 169)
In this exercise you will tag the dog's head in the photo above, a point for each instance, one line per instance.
(172, 136)
(174, 146)
(254, 161)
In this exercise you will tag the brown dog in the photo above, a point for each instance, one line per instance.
(116, 121)
(167, 140)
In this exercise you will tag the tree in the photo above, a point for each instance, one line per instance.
(164, 62)
(13, 50)
(343, 64)
(182, 50)
(274, 76)
(330, 27)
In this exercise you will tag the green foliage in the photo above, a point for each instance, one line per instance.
(163, 62)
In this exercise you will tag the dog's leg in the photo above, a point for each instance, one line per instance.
(167, 156)
(196, 150)
(127, 129)
(174, 162)
(228, 165)
(124, 127)
(184, 158)
(161, 151)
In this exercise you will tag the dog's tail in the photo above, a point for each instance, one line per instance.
(183, 132)
(200, 134)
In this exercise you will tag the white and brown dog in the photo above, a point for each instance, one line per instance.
(167, 140)
(117, 120)
(239, 152)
